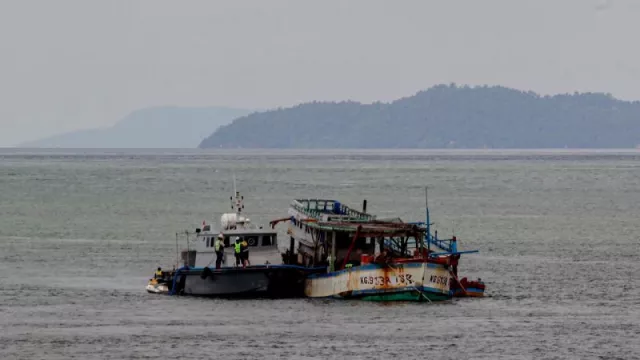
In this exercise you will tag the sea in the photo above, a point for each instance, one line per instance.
(558, 234)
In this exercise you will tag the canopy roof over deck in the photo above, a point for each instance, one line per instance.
(369, 228)
(328, 210)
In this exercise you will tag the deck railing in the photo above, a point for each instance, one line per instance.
(329, 210)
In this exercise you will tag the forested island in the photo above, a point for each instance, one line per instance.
(444, 116)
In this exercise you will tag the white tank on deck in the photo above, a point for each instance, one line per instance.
(232, 220)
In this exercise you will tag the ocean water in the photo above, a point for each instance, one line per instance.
(82, 231)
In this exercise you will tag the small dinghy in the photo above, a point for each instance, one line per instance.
(156, 287)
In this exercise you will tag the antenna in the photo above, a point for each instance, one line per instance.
(234, 182)
(453, 227)
(426, 197)
(177, 252)
(454, 245)
(426, 205)
(188, 249)
(233, 177)
(239, 200)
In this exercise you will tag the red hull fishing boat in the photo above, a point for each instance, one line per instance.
(448, 248)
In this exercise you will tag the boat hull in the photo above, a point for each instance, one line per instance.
(276, 281)
(467, 288)
(418, 295)
(470, 292)
(373, 282)
(154, 287)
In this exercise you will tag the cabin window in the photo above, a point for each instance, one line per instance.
(226, 241)
(266, 240)
(251, 240)
(206, 228)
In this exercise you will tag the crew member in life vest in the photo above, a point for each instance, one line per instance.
(158, 274)
(219, 247)
(237, 248)
(244, 248)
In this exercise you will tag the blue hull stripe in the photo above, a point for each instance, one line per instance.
(404, 289)
(470, 290)
(391, 291)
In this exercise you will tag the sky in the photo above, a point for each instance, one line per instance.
(76, 64)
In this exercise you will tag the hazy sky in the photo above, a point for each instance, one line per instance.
(79, 64)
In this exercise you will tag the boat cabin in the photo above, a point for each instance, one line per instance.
(258, 239)
(336, 244)
(262, 243)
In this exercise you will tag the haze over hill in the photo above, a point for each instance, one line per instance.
(444, 116)
(156, 127)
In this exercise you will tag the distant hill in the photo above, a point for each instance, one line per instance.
(157, 127)
(444, 116)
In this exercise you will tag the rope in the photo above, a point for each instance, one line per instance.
(215, 257)
(211, 262)
(413, 286)
(464, 291)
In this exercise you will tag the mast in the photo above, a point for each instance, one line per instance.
(188, 249)
(234, 182)
(239, 200)
(177, 253)
(235, 193)
(426, 205)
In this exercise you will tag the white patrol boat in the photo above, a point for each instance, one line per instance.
(263, 275)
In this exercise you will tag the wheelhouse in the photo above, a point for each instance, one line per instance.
(206, 241)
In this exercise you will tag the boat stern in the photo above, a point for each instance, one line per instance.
(467, 288)
(155, 287)
(385, 282)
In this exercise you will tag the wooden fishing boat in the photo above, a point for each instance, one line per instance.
(372, 259)
(448, 248)
(365, 258)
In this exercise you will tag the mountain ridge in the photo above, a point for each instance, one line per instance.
(151, 127)
(443, 116)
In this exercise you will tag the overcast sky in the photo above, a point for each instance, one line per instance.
(67, 65)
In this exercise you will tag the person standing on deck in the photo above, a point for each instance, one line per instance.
(245, 253)
(237, 248)
(219, 246)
